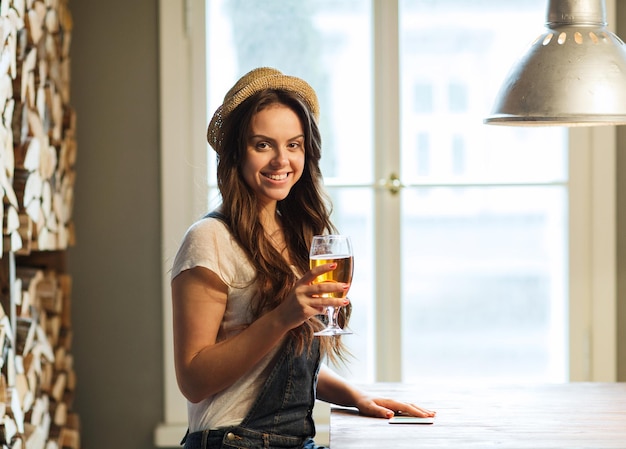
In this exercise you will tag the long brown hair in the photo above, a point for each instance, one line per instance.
(305, 212)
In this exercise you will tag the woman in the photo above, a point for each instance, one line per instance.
(244, 305)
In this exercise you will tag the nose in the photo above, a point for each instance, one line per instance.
(280, 157)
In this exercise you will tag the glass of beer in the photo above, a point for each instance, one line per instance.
(333, 249)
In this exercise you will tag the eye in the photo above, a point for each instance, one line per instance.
(262, 146)
(295, 145)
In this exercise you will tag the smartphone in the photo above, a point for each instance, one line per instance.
(411, 420)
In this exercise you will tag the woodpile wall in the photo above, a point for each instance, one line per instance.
(37, 155)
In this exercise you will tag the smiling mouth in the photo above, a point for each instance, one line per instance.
(279, 177)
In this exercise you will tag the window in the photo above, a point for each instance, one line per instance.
(457, 97)
(458, 155)
(422, 164)
(423, 103)
(482, 262)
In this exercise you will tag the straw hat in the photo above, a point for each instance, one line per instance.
(253, 82)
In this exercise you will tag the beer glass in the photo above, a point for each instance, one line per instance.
(333, 249)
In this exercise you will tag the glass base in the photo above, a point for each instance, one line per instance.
(331, 331)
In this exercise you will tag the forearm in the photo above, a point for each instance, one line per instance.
(218, 366)
(334, 389)
(205, 367)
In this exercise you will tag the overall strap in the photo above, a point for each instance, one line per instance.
(284, 404)
(182, 442)
(218, 215)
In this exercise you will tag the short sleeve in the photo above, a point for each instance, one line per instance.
(208, 243)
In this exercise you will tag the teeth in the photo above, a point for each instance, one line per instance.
(277, 177)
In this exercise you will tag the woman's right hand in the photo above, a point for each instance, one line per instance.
(308, 299)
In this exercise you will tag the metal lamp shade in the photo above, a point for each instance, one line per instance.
(574, 74)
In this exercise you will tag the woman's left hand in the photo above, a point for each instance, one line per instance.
(386, 408)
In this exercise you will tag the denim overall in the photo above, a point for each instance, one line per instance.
(281, 416)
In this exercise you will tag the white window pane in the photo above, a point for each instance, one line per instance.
(353, 215)
(484, 292)
(454, 57)
(484, 270)
(327, 43)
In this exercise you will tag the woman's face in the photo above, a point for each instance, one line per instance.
(275, 151)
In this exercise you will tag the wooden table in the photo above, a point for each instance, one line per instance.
(571, 416)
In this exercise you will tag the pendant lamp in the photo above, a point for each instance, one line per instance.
(574, 74)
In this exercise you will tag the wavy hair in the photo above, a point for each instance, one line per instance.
(305, 212)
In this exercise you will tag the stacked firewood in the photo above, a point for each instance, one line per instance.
(37, 155)
(39, 379)
(37, 127)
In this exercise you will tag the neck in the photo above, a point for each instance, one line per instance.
(269, 218)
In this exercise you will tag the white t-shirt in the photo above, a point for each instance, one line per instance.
(209, 244)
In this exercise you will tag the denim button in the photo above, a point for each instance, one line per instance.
(230, 436)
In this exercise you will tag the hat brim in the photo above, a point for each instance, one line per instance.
(253, 82)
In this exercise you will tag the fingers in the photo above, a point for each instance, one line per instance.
(414, 410)
(310, 275)
(393, 407)
(377, 410)
(324, 297)
(325, 289)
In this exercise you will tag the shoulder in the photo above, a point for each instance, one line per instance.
(207, 243)
(206, 228)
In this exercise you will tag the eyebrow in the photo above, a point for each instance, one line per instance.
(262, 137)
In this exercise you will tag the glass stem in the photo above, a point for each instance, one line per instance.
(333, 313)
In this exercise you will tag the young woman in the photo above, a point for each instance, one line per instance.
(244, 305)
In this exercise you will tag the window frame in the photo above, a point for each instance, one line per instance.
(183, 115)
(183, 164)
